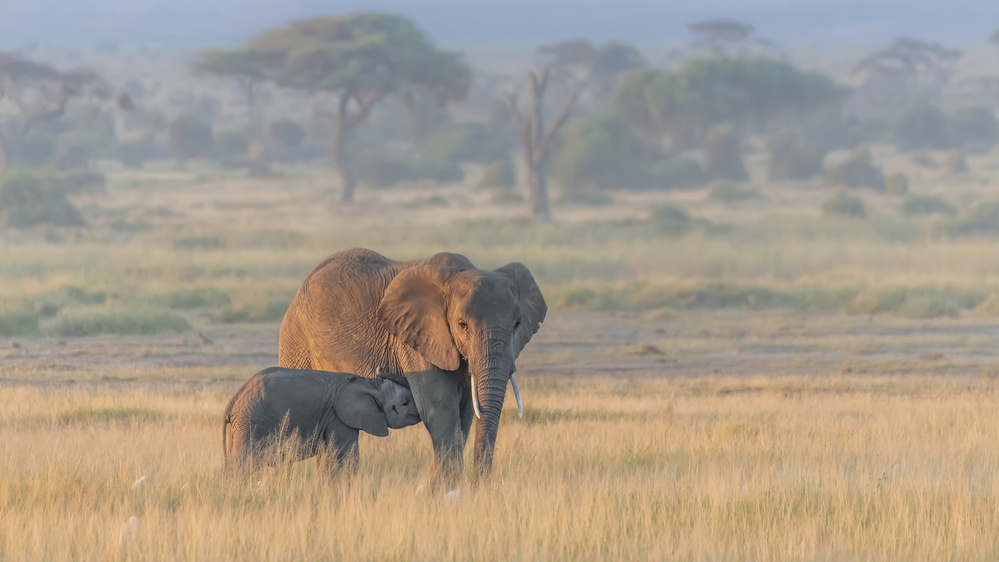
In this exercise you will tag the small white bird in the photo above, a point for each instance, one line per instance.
(129, 528)
(452, 496)
(140, 482)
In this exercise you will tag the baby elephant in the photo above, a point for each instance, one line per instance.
(320, 412)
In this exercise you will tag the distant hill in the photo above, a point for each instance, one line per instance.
(498, 22)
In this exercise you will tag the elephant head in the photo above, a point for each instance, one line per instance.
(485, 318)
(375, 405)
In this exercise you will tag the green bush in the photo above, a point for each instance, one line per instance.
(287, 132)
(33, 151)
(464, 142)
(844, 206)
(677, 173)
(82, 295)
(198, 243)
(191, 138)
(585, 197)
(81, 181)
(373, 169)
(671, 220)
(915, 205)
(897, 184)
(507, 197)
(135, 152)
(858, 170)
(18, 323)
(982, 220)
(26, 201)
(499, 174)
(232, 145)
(923, 160)
(922, 129)
(122, 323)
(603, 151)
(252, 313)
(723, 155)
(956, 163)
(975, 127)
(729, 193)
(440, 172)
(794, 159)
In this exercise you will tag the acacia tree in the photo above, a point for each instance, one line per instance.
(907, 71)
(41, 92)
(248, 69)
(353, 62)
(725, 38)
(593, 71)
(537, 141)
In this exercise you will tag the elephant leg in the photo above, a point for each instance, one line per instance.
(438, 399)
(340, 453)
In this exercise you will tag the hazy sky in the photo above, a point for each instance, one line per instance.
(467, 23)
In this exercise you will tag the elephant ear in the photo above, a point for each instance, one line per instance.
(356, 405)
(532, 304)
(414, 310)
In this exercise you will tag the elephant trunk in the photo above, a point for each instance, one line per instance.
(489, 381)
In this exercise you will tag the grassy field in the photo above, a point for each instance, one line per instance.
(633, 468)
(755, 381)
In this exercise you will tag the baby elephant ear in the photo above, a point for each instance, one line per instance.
(357, 406)
(414, 309)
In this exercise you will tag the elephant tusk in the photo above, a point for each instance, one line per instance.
(516, 394)
(475, 399)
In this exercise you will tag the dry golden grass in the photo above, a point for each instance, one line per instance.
(749, 468)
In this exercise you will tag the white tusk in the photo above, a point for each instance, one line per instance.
(516, 394)
(475, 399)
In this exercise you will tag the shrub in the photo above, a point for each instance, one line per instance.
(982, 220)
(671, 220)
(956, 163)
(794, 159)
(191, 138)
(677, 173)
(72, 155)
(374, 169)
(923, 128)
(122, 323)
(198, 243)
(35, 150)
(499, 174)
(844, 206)
(590, 198)
(897, 184)
(232, 145)
(464, 142)
(603, 151)
(440, 172)
(723, 155)
(507, 197)
(81, 181)
(915, 205)
(17, 323)
(287, 132)
(730, 193)
(135, 152)
(857, 170)
(975, 128)
(26, 201)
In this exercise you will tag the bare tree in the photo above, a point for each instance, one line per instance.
(731, 38)
(537, 142)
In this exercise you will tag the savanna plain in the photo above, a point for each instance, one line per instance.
(748, 380)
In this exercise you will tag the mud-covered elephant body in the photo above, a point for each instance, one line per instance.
(323, 411)
(439, 321)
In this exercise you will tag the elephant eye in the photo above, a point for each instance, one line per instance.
(462, 325)
(516, 324)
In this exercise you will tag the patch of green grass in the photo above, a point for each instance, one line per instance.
(198, 243)
(916, 205)
(17, 323)
(82, 295)
(121, 323)
(252, 313)
(89, 415)
(189, 299)
(729, 193)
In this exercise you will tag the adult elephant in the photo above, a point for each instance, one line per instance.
(453, 330)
